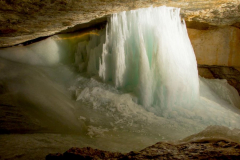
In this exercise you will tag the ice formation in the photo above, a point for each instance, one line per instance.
(45, 52)
(150, 51)
(147, 53)
(138, 84)
(48, 52)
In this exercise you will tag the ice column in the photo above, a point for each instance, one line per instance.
(148, 51)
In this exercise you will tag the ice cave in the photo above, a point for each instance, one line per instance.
(120, 87)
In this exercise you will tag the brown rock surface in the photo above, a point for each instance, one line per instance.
(219, 149)
(25, 20)
(218, 46)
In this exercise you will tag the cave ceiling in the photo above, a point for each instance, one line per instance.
(24, 20)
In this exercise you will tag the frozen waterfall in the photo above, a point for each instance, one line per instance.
(151, 52)
(148, 52)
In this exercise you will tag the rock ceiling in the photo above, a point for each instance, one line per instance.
(23, 20)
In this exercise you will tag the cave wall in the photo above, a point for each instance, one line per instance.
(220, 46)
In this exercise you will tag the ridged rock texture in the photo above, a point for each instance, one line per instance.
(23, 20)
(220, 149)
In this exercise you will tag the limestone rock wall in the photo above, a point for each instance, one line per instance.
(219, 46)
